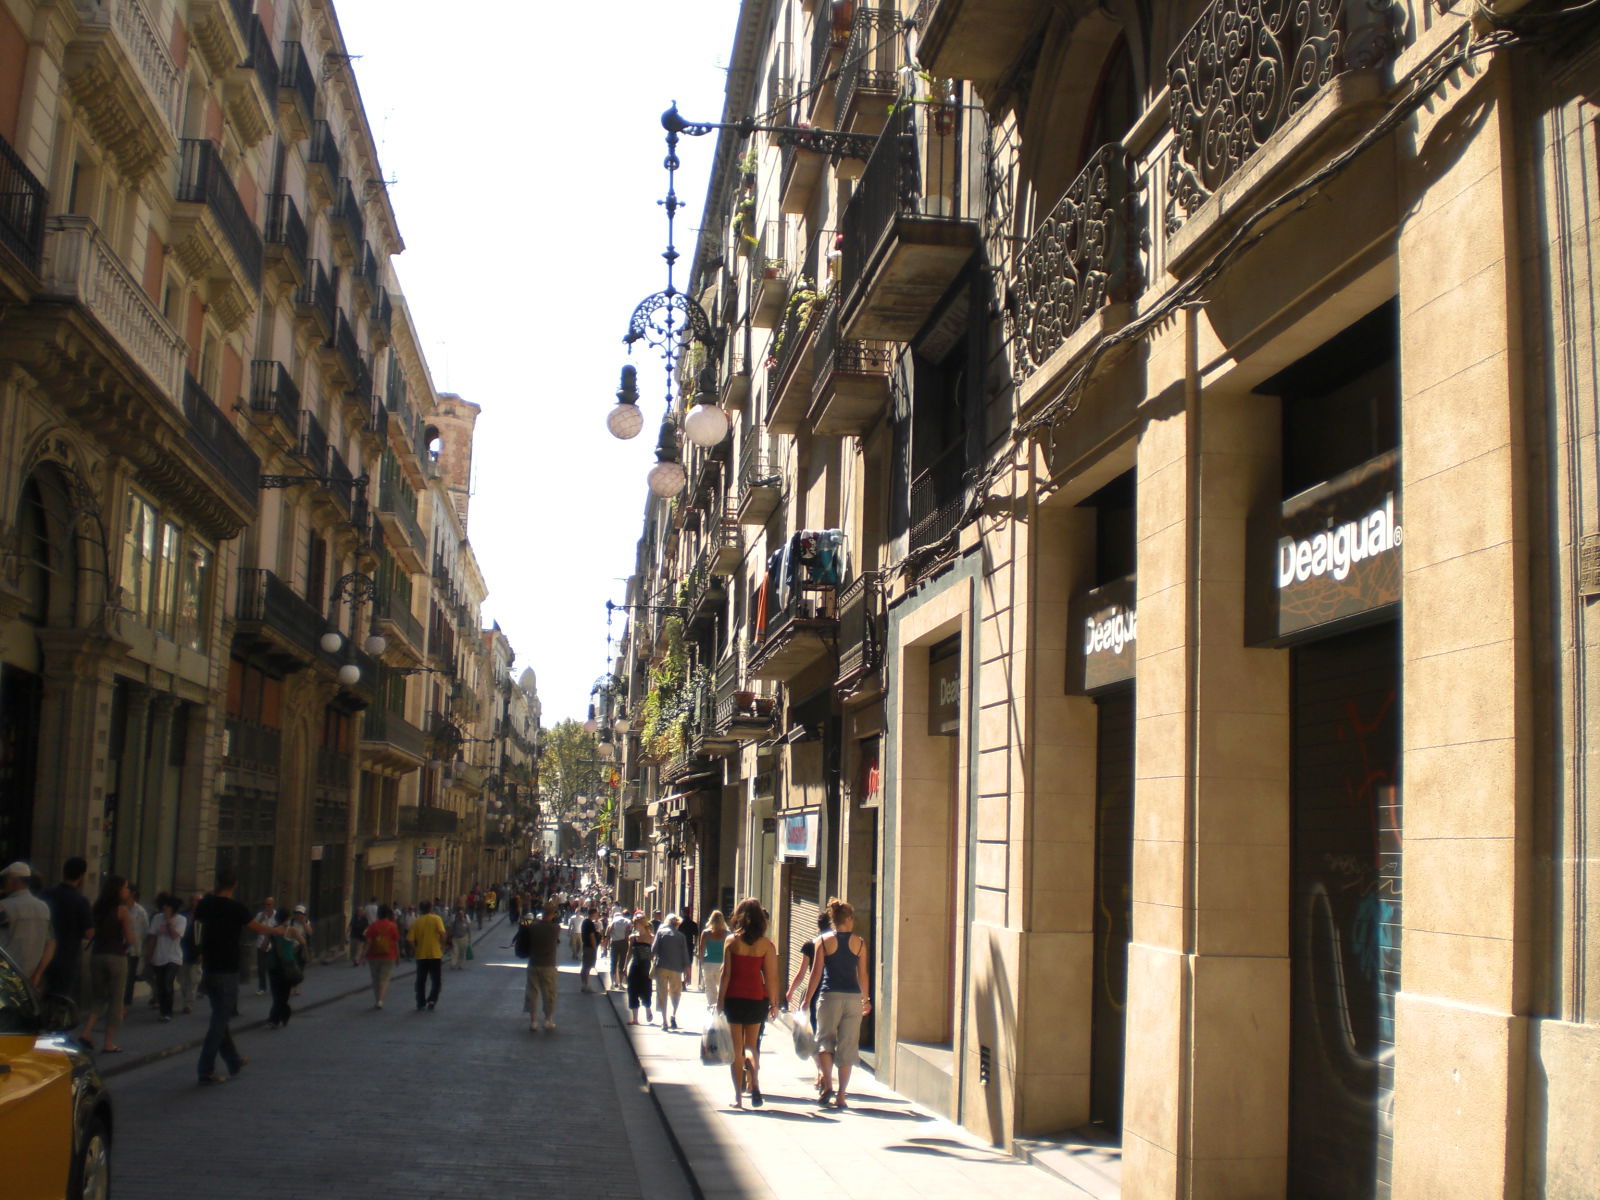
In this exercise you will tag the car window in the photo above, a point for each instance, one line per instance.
(17, 1013)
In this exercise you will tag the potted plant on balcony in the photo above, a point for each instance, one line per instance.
(939, 96)
(744, 220)
(772, 269)
(749, 165)
(795, 317)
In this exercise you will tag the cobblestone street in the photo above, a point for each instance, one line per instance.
(352, 1102)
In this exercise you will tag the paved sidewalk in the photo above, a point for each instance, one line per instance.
(882, 1147)
(144, 1038)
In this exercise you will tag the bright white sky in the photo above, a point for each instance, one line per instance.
(524, 143)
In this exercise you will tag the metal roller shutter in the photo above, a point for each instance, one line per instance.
(800, 907)
(1345, 914)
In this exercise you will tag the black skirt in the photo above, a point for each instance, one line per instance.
(741, 1011)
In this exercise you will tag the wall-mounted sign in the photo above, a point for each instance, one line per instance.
(944, 688)
(1333, 557)
(633, 865)
(797, 836)
(1102, 633)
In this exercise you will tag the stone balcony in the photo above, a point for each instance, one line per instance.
(124, 81)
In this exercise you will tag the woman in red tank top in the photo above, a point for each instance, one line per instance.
(749, 994)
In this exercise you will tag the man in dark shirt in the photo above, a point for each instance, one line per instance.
(543, 942)
(72, 921)
(223, 922)
(589, 940)
(690, 928)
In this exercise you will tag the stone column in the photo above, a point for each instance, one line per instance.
(1206, 1096)
(1466, 722)
(158, 818)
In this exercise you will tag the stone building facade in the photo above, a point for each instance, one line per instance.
(1150, 573)
(238, 606)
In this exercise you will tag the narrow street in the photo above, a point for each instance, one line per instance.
(352, 1102)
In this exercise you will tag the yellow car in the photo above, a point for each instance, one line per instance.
(55, 1114)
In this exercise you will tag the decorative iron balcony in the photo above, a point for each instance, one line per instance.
(760, 481)
(261, 58)
(799, 630)
(425, 820)
(203, 179)
(348, 210)
(315, 296)
(397, 612)
(286, 232)
(312, 443)
(850, 381)
(410, 545)
(250, 746)
(907, 235)
(271, 612)
(860, 630)
(348, 349)
(377, 421)
(378, 725)
(745, 715)
(325, 152)
(1240, 74)
(769, 276)
(341, 481)
(869, 77)
(296, 77)
(789, 370)
(273, 391)
(736, 372)
(721, 552)
(830, 34)
(219, 443)
(1081, 258)
(939, 498)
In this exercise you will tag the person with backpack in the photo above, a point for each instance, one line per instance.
(539, 941)
(460, 938)
(284, 969)
(358, 937)
(383, 951)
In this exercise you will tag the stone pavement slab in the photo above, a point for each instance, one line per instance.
(880, 1148)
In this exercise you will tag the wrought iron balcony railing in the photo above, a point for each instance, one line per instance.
(860, 628)
(341, 481)
(203, 179)
(312, 443)
(377, 424)
(833, 354)
(1081, 258)
(938, 498)
(251, 746)
(380, 725)
(348, 349)
(382, 314)
(268, 601)
(325, 152)
(394, 609)
(219, 443)
(418, 821)
(285, 229)
(272, 390)
(392, 501)
(347, 209)
(871, 66)
(296, 77)
(261, 58)
(1240, 74)
(829, 35)
(316, 296)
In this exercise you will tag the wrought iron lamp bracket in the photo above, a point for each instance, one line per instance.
(278, 482)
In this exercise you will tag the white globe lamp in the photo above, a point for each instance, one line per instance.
(706, 425)
(331, 642)
(349, 674)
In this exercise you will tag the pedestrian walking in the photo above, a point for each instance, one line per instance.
(26, 932)
(139, 925)
(266, 915)
(690, 928)
(382, 952)
(588, 943)
(167, 931)
(358, 937)
(841, 982)
(639, 970)
(284, 969)
(669, 953)
(426, 938)
(223, 922)
(540, 940)
(189, 971)
(748, 995)
(108, 961)
(460, 938)
(709, 952)
(574, 930)
(617, 937)
(73, 921)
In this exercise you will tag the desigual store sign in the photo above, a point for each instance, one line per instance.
(1333, 557)
(1103, 632)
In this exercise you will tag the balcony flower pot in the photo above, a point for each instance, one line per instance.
(744, 701)
(942, 116)
(765, 706)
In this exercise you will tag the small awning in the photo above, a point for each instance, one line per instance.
(669, 806)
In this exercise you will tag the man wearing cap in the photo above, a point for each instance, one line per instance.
(25, 930)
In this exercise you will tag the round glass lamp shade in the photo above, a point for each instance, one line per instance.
(375, 644)
(607, 751)
(349, 674)
(625, 421)
(623, 725)
(706, 425)
(331, 642)
(667, 479)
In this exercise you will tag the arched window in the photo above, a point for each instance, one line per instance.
(48, 546)
(1115, 106)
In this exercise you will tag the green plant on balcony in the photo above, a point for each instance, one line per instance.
(795, 317)
(939, 95)
(661, 727)
(749, 165)
(744, 222)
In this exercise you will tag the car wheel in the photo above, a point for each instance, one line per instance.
(91, 1174)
